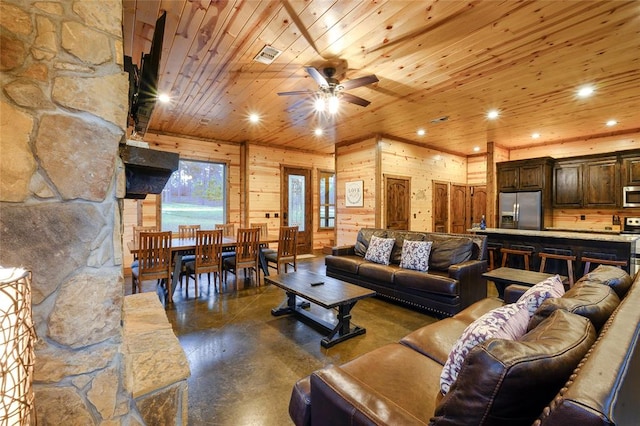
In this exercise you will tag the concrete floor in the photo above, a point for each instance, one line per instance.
(244, 361)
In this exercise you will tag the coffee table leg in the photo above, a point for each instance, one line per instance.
(287, 306)
(343, 327)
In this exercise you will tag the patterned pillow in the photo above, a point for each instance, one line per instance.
(490, 325)
(533, 298)
(415, 255)
(379, 250)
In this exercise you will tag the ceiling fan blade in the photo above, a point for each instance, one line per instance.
(317, 76)
(360, 81)
(354, 99)
(296, 92)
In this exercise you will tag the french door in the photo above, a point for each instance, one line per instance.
(296, 205)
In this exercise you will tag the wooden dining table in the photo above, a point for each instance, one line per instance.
(181, 247)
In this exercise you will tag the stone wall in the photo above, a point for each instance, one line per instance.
(63, 110)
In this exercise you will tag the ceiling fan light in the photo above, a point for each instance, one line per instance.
(333, 104)
(319, 104)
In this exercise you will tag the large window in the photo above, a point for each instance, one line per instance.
(195, 195)
(327, 193)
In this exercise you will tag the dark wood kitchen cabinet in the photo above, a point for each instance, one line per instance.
(630, 172)
(587, 183)
(524, 175)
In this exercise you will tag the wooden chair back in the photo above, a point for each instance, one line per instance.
(247, 248)
(228, 229)
(154, 256)
(187, 231)
(208, 251)
(137, 229)
(287, 248)
(264, 228)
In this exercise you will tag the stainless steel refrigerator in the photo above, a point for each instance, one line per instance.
(520, 210)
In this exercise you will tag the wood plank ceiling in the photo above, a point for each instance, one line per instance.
(433, 59)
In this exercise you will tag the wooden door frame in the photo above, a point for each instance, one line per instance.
(386, 176)
(309, 201)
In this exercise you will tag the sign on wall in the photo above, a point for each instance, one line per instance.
(354, 194)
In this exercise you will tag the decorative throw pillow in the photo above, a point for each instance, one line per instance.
(415, 255)
(493, 324)
(379, 250)
(533, 298)
(445, 253)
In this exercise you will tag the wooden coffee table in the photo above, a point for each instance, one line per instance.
(331, 294)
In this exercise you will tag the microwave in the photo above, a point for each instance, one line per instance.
(631, 196)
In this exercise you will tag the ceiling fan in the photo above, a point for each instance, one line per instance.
(330, 90)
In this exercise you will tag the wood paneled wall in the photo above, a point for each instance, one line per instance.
(579, 147)
(422, 166)
(357, 161)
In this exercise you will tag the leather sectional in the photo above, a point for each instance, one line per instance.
(501, 382)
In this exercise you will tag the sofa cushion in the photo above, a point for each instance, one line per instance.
(415, 255)
(364, 237)
(348, 263)
(616, 278)
(377, 272)
(401, 237)
(533, 298)
(485, 327)
(379, 250)
(588, 299)
(426, 282)
(509, 382)
(447, 252)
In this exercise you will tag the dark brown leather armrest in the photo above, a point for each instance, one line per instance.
(343, 250)
(513, 292)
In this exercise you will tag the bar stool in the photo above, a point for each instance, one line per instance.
(494, 252)
(600, 259)
(518, 250)
(558, 254)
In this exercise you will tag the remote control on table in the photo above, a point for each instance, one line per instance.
(317, 283)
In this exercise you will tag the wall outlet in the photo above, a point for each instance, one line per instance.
(276, 215)
(583, 217)
(267, 215)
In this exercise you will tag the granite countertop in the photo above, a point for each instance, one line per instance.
(594, 236)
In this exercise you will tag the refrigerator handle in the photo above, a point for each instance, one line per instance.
(517, 212)
(514, 212)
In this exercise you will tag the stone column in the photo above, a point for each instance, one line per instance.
(63, 111)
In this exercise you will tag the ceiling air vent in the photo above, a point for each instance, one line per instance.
(267, 55)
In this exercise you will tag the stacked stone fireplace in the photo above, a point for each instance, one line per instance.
(63, 114)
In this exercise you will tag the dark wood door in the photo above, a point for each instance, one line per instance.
(478, 205)
(459, 208)
(440, 206)
(398, 202)
(296, 205)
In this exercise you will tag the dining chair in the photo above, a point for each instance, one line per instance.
(137, 229)
(187, 231)
(154, 259)
(246, 254)
(228, 229)
(208, 258)
(264, 233)
(287, 250)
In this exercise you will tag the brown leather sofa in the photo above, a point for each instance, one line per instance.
(453, 281)
(501, 382)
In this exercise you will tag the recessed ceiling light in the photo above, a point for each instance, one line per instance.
(585, 92)
(254, 118)
(611, 123)
(164, 98)
(476, 149)
(421, 132)
(535, 135)
(493, 114)
(318, 131)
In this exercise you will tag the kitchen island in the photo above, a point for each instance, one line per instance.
(621, 246)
